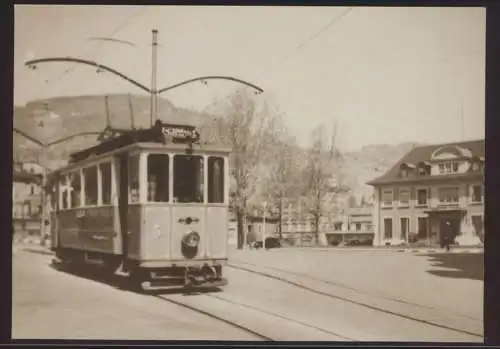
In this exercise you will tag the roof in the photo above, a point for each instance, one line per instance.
(424, 153)
(25, 177)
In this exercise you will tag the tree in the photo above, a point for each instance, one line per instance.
(323, 160)
(282, 179)
(246, 124)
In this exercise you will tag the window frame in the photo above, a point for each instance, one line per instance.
(457, 188)
(426, 189)
(85, 192)
(481, 216)
(473, 186)
(135, 154)
(222, 184)
(401, 203)
(427, 232)
(383, 202)
(449, 167)
(384, 219)
(203, 178)
(408, 228)
(69, 193)
(100, 183)
(169, 174)
(83, 204)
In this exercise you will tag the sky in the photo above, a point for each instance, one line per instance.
(383, 75)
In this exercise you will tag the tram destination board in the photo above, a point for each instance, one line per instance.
(180, 133)
(159, 133)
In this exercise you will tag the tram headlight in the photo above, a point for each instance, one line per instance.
(191, 239)
(189, 244)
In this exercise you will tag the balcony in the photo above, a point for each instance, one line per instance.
(440, 206)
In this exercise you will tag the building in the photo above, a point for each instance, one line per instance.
(356, 223)
(26, 191)
(433, 193)
(26, 198)
(260, 226)
(343, 219)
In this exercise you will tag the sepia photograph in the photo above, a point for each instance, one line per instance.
(245, 173)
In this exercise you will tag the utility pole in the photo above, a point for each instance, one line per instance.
(106, 105)
(264, 226)
(131, 109)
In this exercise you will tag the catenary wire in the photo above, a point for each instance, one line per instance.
(95, 50)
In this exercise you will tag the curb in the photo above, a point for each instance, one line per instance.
(30, 240)
(407, 250)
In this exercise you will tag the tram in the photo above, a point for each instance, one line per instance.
(151, 204)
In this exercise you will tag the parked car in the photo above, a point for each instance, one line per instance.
(357, 242)
(271, 242)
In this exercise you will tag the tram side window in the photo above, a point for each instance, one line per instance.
(53, 196)
(158, 166)
(90, 177)
(75, 189)
(64, 187)
(215, 180)
(133, 179)
(188, 179)
(106, 182)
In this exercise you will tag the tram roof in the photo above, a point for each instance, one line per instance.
(166, 137)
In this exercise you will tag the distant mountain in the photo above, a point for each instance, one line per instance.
(51, 119)
(370, 162)
(55, 118)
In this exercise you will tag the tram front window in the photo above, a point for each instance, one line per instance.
(158, 177)
(188, 179)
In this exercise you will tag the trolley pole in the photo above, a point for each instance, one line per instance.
(154, 73)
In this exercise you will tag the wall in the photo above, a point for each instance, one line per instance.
(24, 201)
(413, 211)
(257, 231)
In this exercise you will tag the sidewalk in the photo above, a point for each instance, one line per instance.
(31, 245)
(457, 249)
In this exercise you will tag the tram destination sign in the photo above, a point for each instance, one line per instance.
(180, 132)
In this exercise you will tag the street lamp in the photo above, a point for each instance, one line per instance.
(264, 232)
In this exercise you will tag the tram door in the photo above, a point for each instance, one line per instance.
(123, 202)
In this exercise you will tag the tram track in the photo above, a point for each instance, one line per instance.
(332, 295)
(357, 290)
(213, 316)
(274, 317)
(282, 317)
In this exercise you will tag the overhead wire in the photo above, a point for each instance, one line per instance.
(95, 50)
(301, 45)
(309, 39)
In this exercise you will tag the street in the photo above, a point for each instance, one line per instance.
(345, 296)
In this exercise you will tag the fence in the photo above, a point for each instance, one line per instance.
(308, 238)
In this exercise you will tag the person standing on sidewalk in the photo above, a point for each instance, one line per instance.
(447, 243)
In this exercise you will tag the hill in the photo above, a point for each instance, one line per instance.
(370, 162)
(51, 119)
(55, 118)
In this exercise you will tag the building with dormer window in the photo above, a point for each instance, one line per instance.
(434, 192)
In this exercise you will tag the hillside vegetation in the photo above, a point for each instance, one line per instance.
(52, 119)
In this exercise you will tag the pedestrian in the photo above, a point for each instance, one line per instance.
(447, 243)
